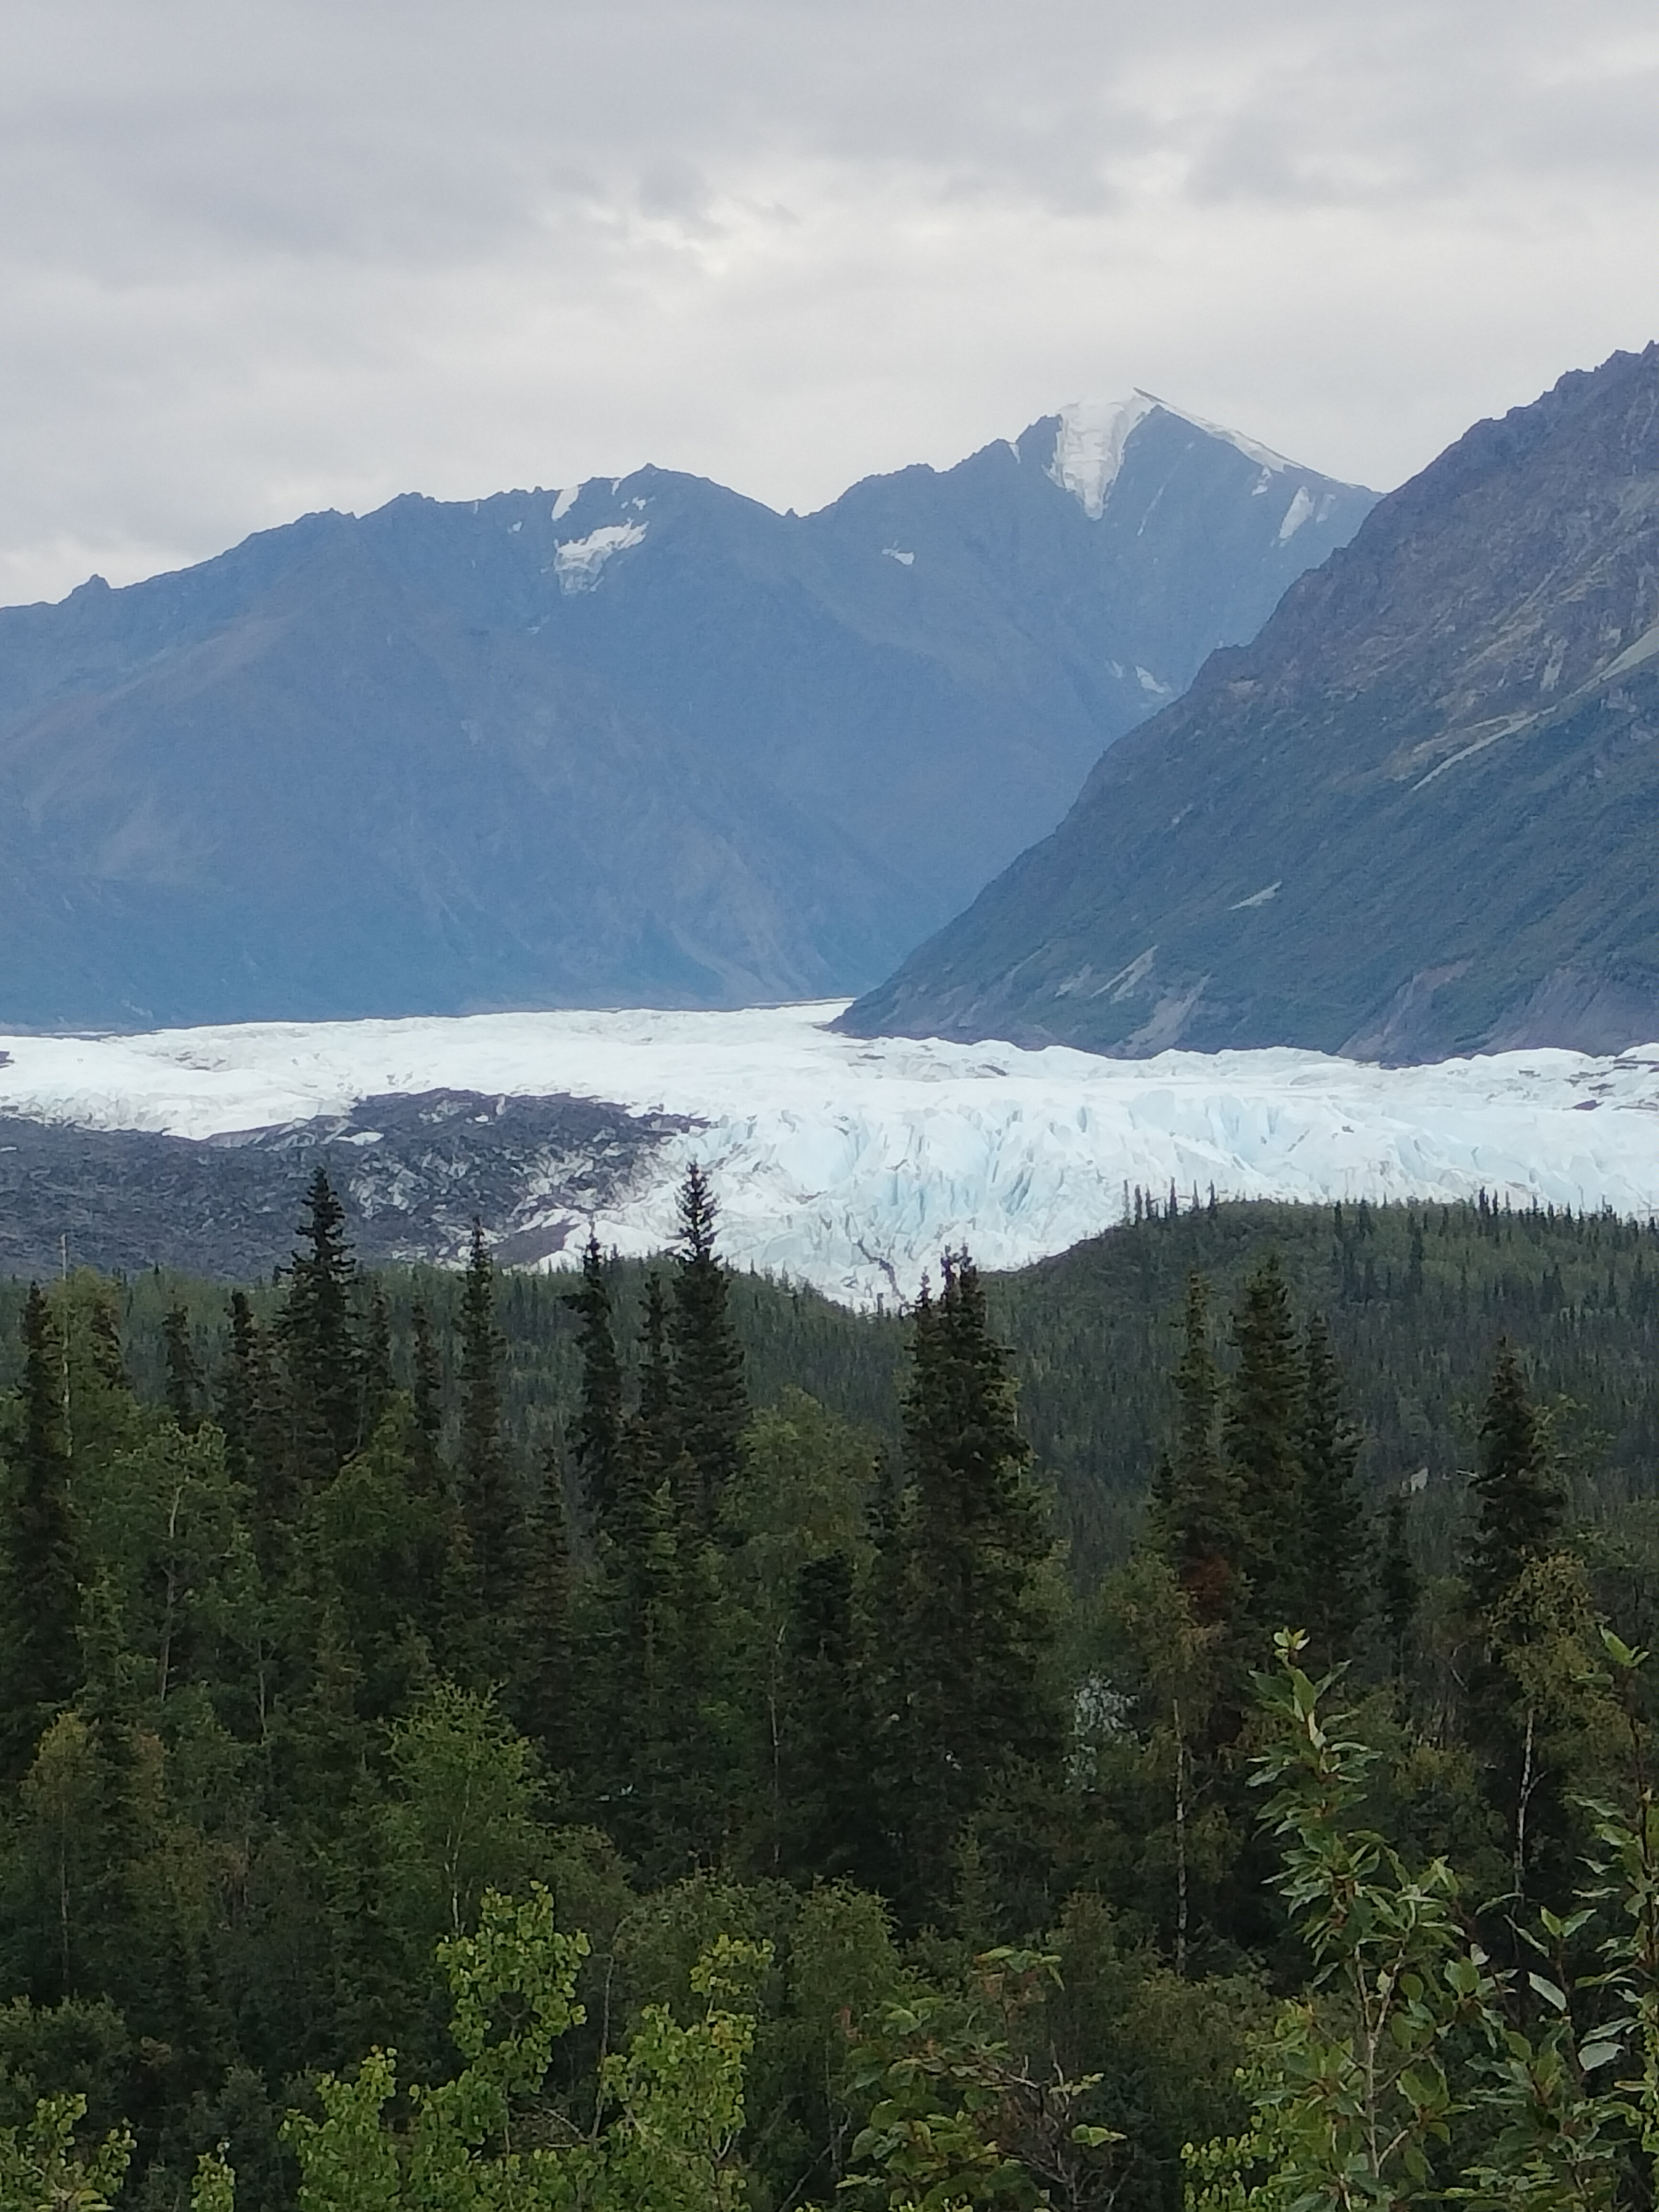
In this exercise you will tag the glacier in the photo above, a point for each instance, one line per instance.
(849, 1163)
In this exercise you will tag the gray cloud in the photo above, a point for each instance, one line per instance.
(265, 254)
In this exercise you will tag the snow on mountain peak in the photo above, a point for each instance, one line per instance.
(577, 564)
(1089, 450)
(1252, 448)
(1093, 432)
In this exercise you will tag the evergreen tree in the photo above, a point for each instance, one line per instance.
(710, 1402)
(483, 1471)
(253, 1416)
(380, 1384)
(824, 1735)
(596, 1433)
(970, 1631)
(1519, 1505)
(656, 1396)
(184, 1373)
(1259, 1425)
(319, 1342)
(41, 1553)
(1195, 1512)
(1399, 1587)
(542, 1699)
(1328, 1540)
(637, 1695)
(427, 1399)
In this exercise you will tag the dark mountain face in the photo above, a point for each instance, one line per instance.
(1418, 816)
(647, 744)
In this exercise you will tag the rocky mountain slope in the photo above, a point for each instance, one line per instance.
(642, 742)
(1418, 816)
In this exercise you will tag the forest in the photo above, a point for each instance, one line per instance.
(651, 1737)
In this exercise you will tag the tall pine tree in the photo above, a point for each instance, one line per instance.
(1326, 1564)
(595, 1434)
(1196, 1517)
(969, 1631)
(483, 1470)
(711, 1404)
(1260, 1427)
(1519, 1505)
(41, 1549)
(319, 1340)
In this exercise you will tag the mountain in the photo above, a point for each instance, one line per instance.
(643, 742)
(1418, 816)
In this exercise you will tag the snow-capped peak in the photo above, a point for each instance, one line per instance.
(1089, 451)
(1252, 448)
(1093, 432)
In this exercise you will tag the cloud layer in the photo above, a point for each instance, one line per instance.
(266, 255)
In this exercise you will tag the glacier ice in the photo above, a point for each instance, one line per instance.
(849, 1163)
(578, 561)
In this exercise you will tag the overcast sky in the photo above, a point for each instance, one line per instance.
(260, 256)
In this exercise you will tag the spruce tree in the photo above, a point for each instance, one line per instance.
(970, 1636)
(1398, 1587)
(710, 1402)
(1519, 1505)
(1196, 1519)
(41, 1551)
(319, 1342)
(427, 1394)
(483, 1471)
(541, 1697)
(637, 1696)
(828, 1831)
(183, 1371)
(1259, 1425)
(379, 1383)
(595, 1434)
(1325, 1564)
(252, 1414)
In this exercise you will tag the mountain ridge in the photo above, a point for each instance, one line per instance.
(646, 742)
(1414, 817)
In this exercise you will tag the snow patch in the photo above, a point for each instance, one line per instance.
(577, 565)
(1263, 898)
(1093, 432)
(849, 1163)
(1089, 449)
(566, 499)
(893, 553)
(1646, 648)
(1296, 515)
(1148, 681)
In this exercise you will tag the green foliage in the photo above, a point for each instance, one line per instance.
(462, 1817)
(40, 1566)
(1416, 2068)
(958, 2117)
(844, 1700)
(42, 2169)
(1519, 1505)
(671, 2102)
(710, 1401)
(966, 1628)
